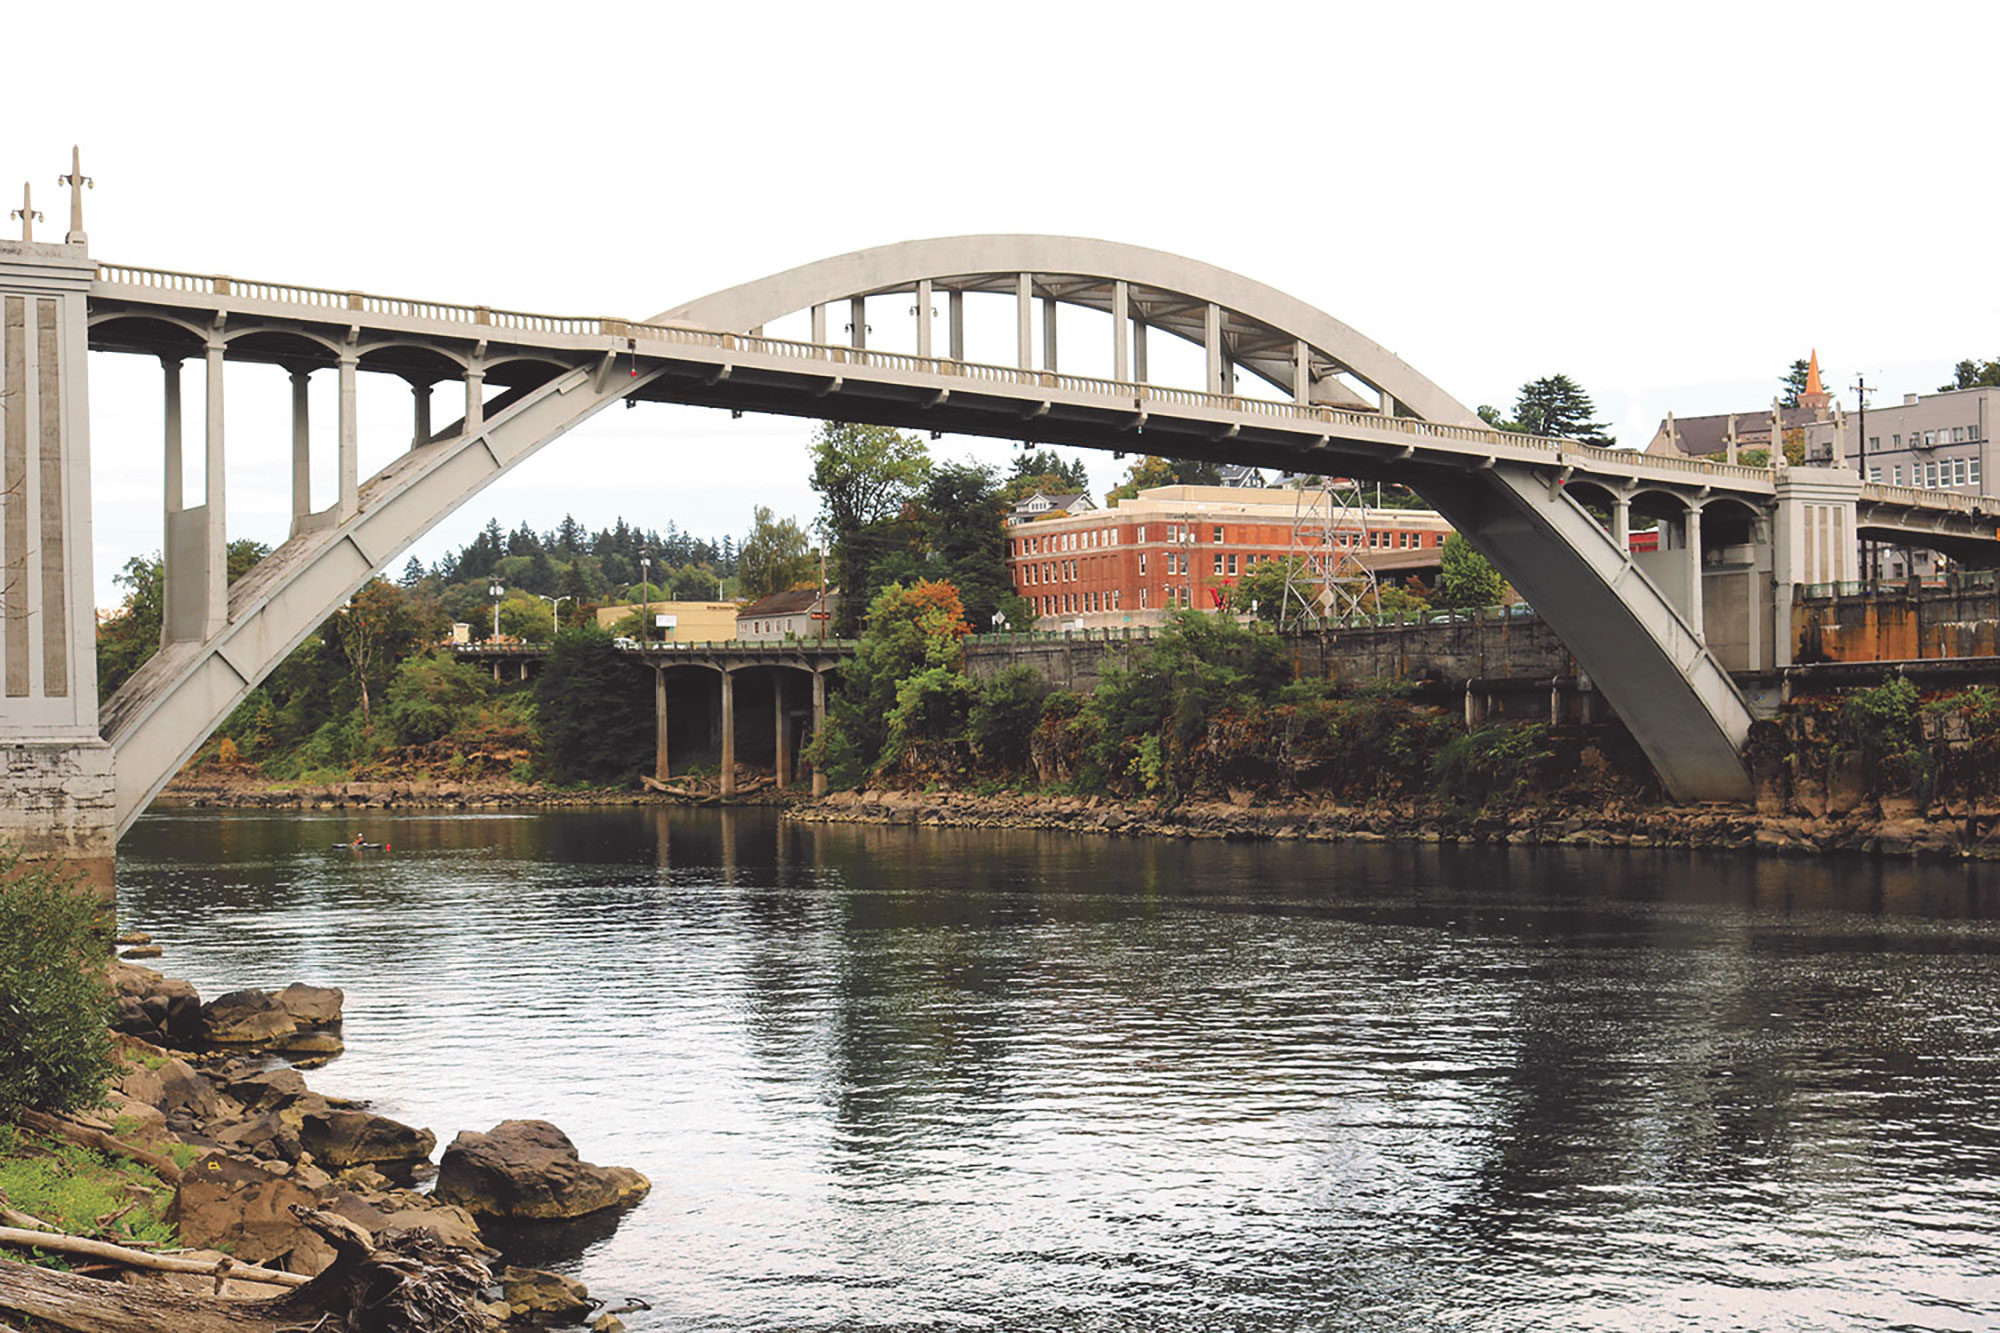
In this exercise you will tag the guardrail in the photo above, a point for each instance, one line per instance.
(1138, 395)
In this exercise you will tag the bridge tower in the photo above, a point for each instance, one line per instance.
(56, 795)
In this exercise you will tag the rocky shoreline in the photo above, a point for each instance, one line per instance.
(270, 1173)
(1890, 828)
(1960, 835)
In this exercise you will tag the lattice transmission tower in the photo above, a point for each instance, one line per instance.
(1327, 581)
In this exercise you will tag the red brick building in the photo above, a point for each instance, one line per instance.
(1184, 546)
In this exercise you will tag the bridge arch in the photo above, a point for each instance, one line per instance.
(1092, 273)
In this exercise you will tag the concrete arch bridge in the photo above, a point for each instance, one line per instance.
(1284, 385)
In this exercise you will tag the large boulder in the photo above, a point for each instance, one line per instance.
(528, 1170)
(538, 1296)
(234, 1204)
(339, 1139)
(254, 1017)
(158, 1008)
(173, 1086)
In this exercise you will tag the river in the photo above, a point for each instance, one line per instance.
(933, 1079)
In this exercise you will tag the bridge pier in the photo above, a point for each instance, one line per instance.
(660, 767)
(728, 787)
(781, 760)
(57, 799)
(819, 720)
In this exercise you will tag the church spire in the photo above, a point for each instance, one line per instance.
(1812, 374)
(1814, 398)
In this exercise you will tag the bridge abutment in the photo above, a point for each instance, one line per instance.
(57, 799)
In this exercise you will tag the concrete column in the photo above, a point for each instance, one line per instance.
(1139, 350)
(660, 724)
(819, 324)
(1211, 339)
(957, 325)
(175, 489)
(215, 500)
(420, 431)
(819, 720)
(350, 439)
(857, 321)
(1691, 526)
(1621, 523)
(1388, 403)
(1049, 307)
(923, 317)
(475, 401)
(301, 447)
(728, 733)
(781, 762)
(1301, 372)
(1121, 317)
(1024, 321)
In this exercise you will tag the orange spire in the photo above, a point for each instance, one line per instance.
(1812, 374)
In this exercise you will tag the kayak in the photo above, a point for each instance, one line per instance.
(360, 847)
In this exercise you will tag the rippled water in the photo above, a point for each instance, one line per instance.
(930, 1079)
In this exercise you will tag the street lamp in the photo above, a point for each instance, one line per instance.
(555, 609)
(494, 590)
(646, 593)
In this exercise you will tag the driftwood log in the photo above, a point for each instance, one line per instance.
(411, 1283)
(82, 1246)
(84, 1136)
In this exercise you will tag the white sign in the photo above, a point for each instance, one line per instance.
(665, 621)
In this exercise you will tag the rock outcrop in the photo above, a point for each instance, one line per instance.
(338, 1139)
(528, 1170)
(297, 1018)
(541, 1297)
(161, 1009)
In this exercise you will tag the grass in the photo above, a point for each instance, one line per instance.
(82, 1192)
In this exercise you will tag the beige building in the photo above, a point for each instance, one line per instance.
(686, 622)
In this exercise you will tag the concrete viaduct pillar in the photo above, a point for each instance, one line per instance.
(728, 787)
(57, 800)
(819, 720)
(660, 771)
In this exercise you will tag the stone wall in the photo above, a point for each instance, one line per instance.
(60, 806)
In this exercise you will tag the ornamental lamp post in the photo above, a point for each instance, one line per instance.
(646, 595)
(494, 590)
(555, 609)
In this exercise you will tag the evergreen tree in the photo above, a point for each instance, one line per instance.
(594, 710)
(1558, 407)
(1795, 380)
(1973, 375)
(774, 557)
(413, 573)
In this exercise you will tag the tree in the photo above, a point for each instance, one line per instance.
(372, 628)
(1047, 472)
(413, 573)
(54, 1004)
(1794, 382)
(430, 696)
(774, 557)
(1465, 579)
(594, 710)
(1973, 375)
(1148, 472)
(865, 476)
(125, 641)
(1263, 586)
(1558, 407)
(963, 533)
(909, 630)
(1491, 416)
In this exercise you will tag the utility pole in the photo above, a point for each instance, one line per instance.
(820, 607)
(1861, 391)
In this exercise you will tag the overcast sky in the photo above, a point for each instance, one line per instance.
(1668, 203)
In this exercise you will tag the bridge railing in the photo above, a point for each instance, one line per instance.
(1922, 498)
(1137, 393)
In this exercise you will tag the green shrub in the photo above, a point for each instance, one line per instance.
(1005, 710)
(930, 706)
(1882, 723)
(430, 697)
(1491, 762)
(54, 1004)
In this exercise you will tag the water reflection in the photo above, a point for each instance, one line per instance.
(914, 1078)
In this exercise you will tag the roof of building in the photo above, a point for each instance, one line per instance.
(788, 603)
(1696, 436)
